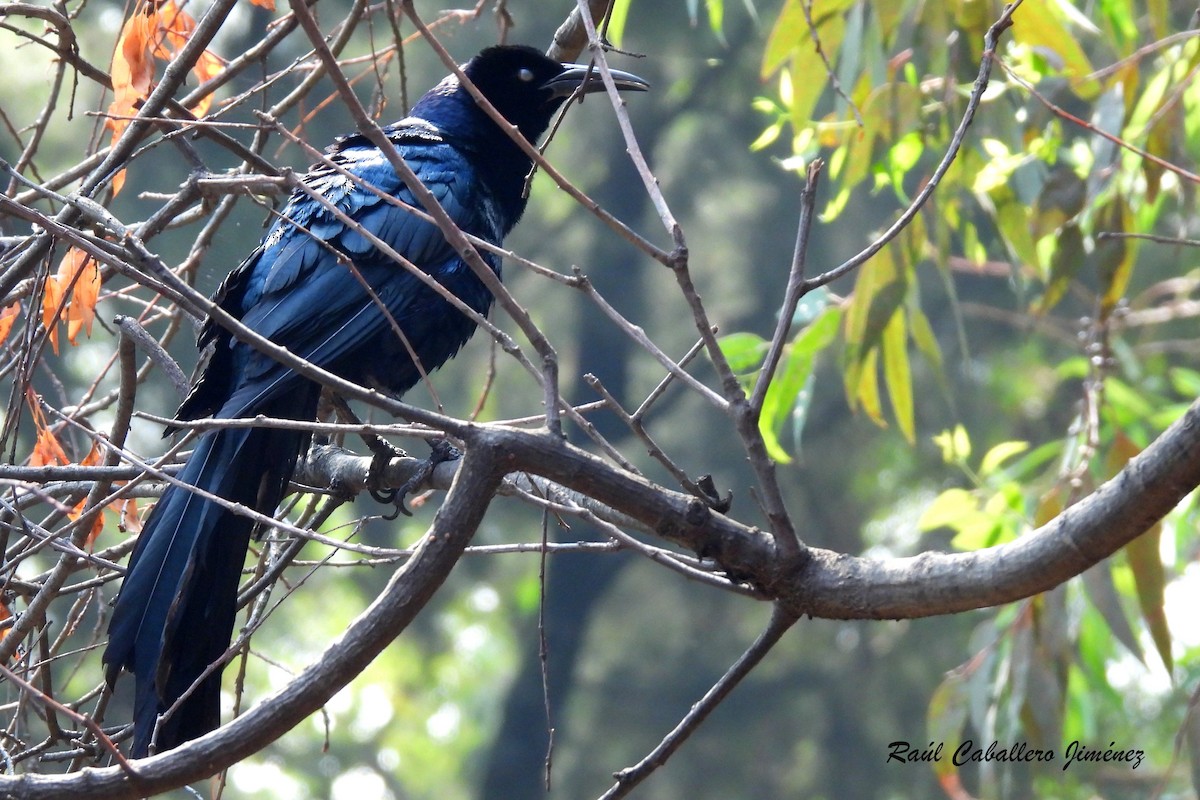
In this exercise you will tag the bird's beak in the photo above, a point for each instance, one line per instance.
(573, 76)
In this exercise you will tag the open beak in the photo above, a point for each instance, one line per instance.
(573, 76)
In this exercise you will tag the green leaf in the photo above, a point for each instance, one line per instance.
(1114, 257)
(897, 375)
(999, 454)
(878, 292)
(1040, 26)
(890, 17)
(1102, 591)
(866, 392)
(618, 15)
(1013, 219)
(791, 32)
(927, 345)
(955, 445)
(1185, 381)
(800, 410)
(889, 112)
(945, 718)
(806, 62)
(716, 18)
(767, 137)
(903, 156)
(1145, 563)
(744, 351)
(795, 372)
(1150, 579)
(949, 509)
(1067, 259)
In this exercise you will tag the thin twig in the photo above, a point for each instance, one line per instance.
(629, 778)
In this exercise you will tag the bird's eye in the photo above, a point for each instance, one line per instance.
(525, 75)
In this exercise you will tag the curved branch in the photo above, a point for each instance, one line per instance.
(405, 595)
(831, 585)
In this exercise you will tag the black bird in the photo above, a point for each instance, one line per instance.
(175, 613)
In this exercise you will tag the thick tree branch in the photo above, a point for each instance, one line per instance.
(406, 594)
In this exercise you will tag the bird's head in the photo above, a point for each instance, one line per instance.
(525, 86)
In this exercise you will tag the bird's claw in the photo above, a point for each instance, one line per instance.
(384, 452)
(713, 497)
(440, 450)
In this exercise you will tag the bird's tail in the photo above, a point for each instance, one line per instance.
(175, 613)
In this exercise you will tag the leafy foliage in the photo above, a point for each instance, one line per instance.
(1082, 150)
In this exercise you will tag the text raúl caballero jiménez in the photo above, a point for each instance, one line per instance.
(968, 752)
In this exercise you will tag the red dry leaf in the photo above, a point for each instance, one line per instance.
(8, 316)
(269, 5)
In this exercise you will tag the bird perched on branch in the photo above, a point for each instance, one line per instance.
(322, 288)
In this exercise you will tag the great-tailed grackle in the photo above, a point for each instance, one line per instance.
(175, 613)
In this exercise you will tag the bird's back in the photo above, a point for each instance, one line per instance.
(306, 286)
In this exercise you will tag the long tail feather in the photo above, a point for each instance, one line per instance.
(176, 610)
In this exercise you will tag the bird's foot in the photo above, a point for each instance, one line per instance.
(383, 452)
(441, 450)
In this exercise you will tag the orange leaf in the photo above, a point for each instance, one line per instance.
(157, 29)
(78, 274)
(46, 449)
(132, 70)
(177, 26)
(93, 458)
(5, 613)
(84, 293)
(208, 66)
(52, 297)
(269, 5)
(97, 522)
(130, 517)
(8, 315)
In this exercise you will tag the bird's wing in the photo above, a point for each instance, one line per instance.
(305, 288)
